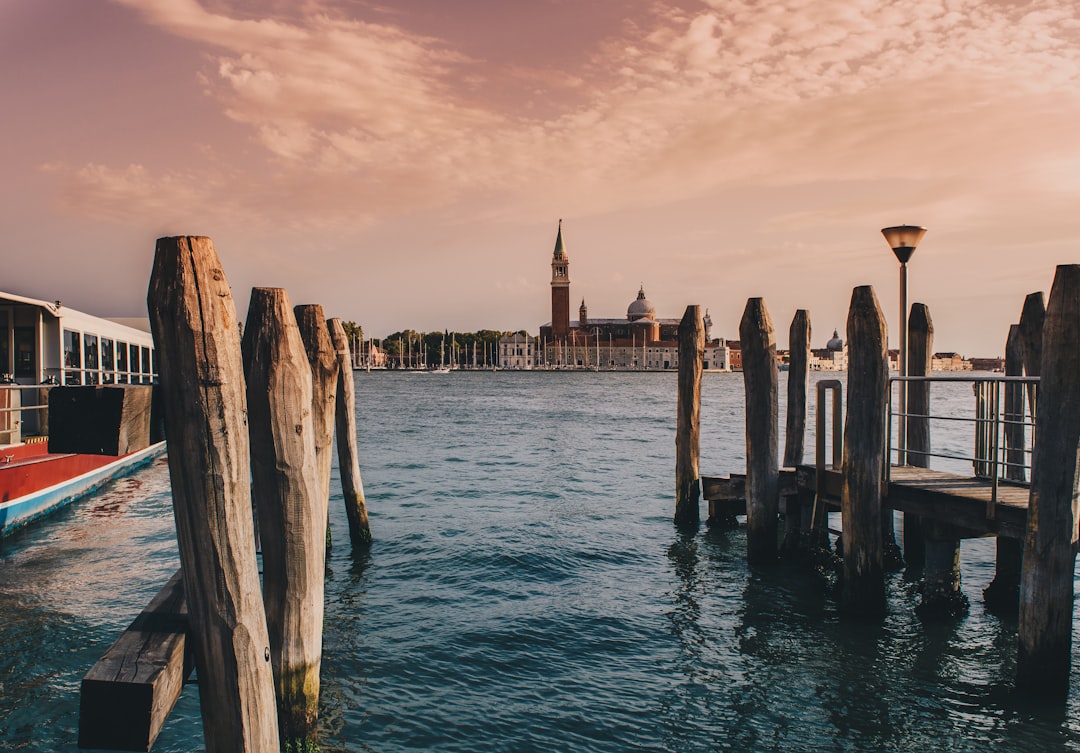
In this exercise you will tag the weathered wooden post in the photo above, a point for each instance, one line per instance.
(761, 381)
(352, 487)
(1002, 596)
(323, 360)
(795, 429)
(688, 425)
(198, 350)
(1032, 319)
(1046, 586)
(292, 519)
(862, 592)
(920, 356)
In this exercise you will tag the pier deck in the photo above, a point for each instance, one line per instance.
(952, 499)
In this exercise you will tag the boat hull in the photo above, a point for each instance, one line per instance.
(68, 478)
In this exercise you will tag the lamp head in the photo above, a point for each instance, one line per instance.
(903, 239)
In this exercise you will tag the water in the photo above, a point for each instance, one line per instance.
(527, 592)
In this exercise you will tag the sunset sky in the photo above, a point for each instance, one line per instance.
(405, 163)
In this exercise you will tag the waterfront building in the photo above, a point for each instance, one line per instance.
(517, 352)
(833, 357)
(640, 340)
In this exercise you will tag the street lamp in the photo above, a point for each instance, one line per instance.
(903, 239)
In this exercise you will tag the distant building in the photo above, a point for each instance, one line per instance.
(637, 341)
(517, 352)
(988, 364)
(833, 357)
(949, 362)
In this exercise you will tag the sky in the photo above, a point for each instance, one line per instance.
(406, 163)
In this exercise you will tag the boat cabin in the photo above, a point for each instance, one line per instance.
(47, 343)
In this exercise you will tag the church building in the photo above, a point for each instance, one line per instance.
(639, 340)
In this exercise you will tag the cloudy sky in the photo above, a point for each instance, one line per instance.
(405, 163)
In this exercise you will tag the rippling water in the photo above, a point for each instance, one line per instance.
(527, 591)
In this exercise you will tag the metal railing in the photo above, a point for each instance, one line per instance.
(1003, 421)
(23, 406)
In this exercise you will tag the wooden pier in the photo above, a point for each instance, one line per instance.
(1035, 522)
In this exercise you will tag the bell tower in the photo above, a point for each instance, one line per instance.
(560, 290)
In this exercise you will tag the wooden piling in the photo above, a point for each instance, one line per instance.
(1032, 322)
(795, 434)
(1003, 594)
(862, 592)
(1046, 588)
(352, 487)
(194, 323)
(292, 520)
(920, 357)
(323, 361)
(761, 382)
(688, 427)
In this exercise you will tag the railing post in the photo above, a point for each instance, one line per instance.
(862, 592)
(1046, 590)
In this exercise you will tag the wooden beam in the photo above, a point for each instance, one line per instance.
(197, 335)
(688, 423)
(1046, 585)
(292, 521)
(352, 486)
(324, 385)
(127, 695)
(761, 383)
(798, 383)
(862, 592)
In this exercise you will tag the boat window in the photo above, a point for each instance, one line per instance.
(25, 352)
(133, 354)
(90, 361)
(72, 357)
(108, 361)
(122, 362)
(146, 365)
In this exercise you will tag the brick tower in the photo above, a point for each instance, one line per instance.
(560, 290)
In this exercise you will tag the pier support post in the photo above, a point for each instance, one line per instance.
(798, 382)
(292, 520)
(1032, 325)
(1002, 596)
(352, 487)
(688, 428)
(324, 383)
(862, 590)
(1046, 586)
(920, 356)
(761, 381)
(194, 323)
(942, 598)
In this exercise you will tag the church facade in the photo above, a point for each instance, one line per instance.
(640, 340)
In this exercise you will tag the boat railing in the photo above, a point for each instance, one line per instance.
(1002, 422)
(24, 412)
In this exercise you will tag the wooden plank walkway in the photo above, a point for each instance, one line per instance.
(959, 501)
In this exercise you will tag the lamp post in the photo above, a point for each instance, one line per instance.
(903, 239)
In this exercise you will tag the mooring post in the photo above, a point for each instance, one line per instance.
(920, 356)
(1002, 596)
(352, 487)
(798, 383)
(194, 323)
(862, 592)
(688, 425)
(1032, 323)
(1046, 586)
(291, 518)
(761, 381)
(323, 361)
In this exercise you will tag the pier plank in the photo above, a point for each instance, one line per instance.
(127, 695)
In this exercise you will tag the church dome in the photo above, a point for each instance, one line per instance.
(836, 345)
(640, 308)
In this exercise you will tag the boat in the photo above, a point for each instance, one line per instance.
(54, 355)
